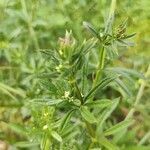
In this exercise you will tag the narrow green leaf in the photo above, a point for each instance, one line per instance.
(96, 148)
(51, 54)
(66, 119)
(136, 148)
(56, 136)
(123, 24)
(110, 19)
(99, 103)
(107, 113)
(112, 51)
(133, 73)
(107, 144)
(101, 85)
(3, 90)
(70, 132)
(17, 128)
(125, 43)
(123, 87)
(87, 115)
(116, 128)
(90, 28)
(48, 85)
(89, 45)
(125, 71)
(47, 75)
(129, 36)
(25, 144)
(47, 102)
(14, 91)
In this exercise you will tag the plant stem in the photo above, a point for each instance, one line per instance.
(139, 94)
(144, 139)
(102, 53)
(100, 66)
(99, 69)
(137, 100)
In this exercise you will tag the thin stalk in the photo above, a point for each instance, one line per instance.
(139, 95)
(102, 53)
(137, 100)
(84, 74)
(145, 138)
(100, 66)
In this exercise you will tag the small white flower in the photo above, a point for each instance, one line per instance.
(45, 127)
(82, 95)
(70, 100)
(60, 52)
(101, 34)
(45, 114)
(59, 67)
(67, 93)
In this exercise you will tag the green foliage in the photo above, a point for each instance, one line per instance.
(87, 115)
(80, 91)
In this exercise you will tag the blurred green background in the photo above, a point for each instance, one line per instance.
(29, 25)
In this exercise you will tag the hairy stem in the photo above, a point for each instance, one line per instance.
(139, 94)
(100, 66)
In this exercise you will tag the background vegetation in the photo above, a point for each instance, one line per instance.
(28, 27)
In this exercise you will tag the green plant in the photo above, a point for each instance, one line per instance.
(73, 97)
(74, 84)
